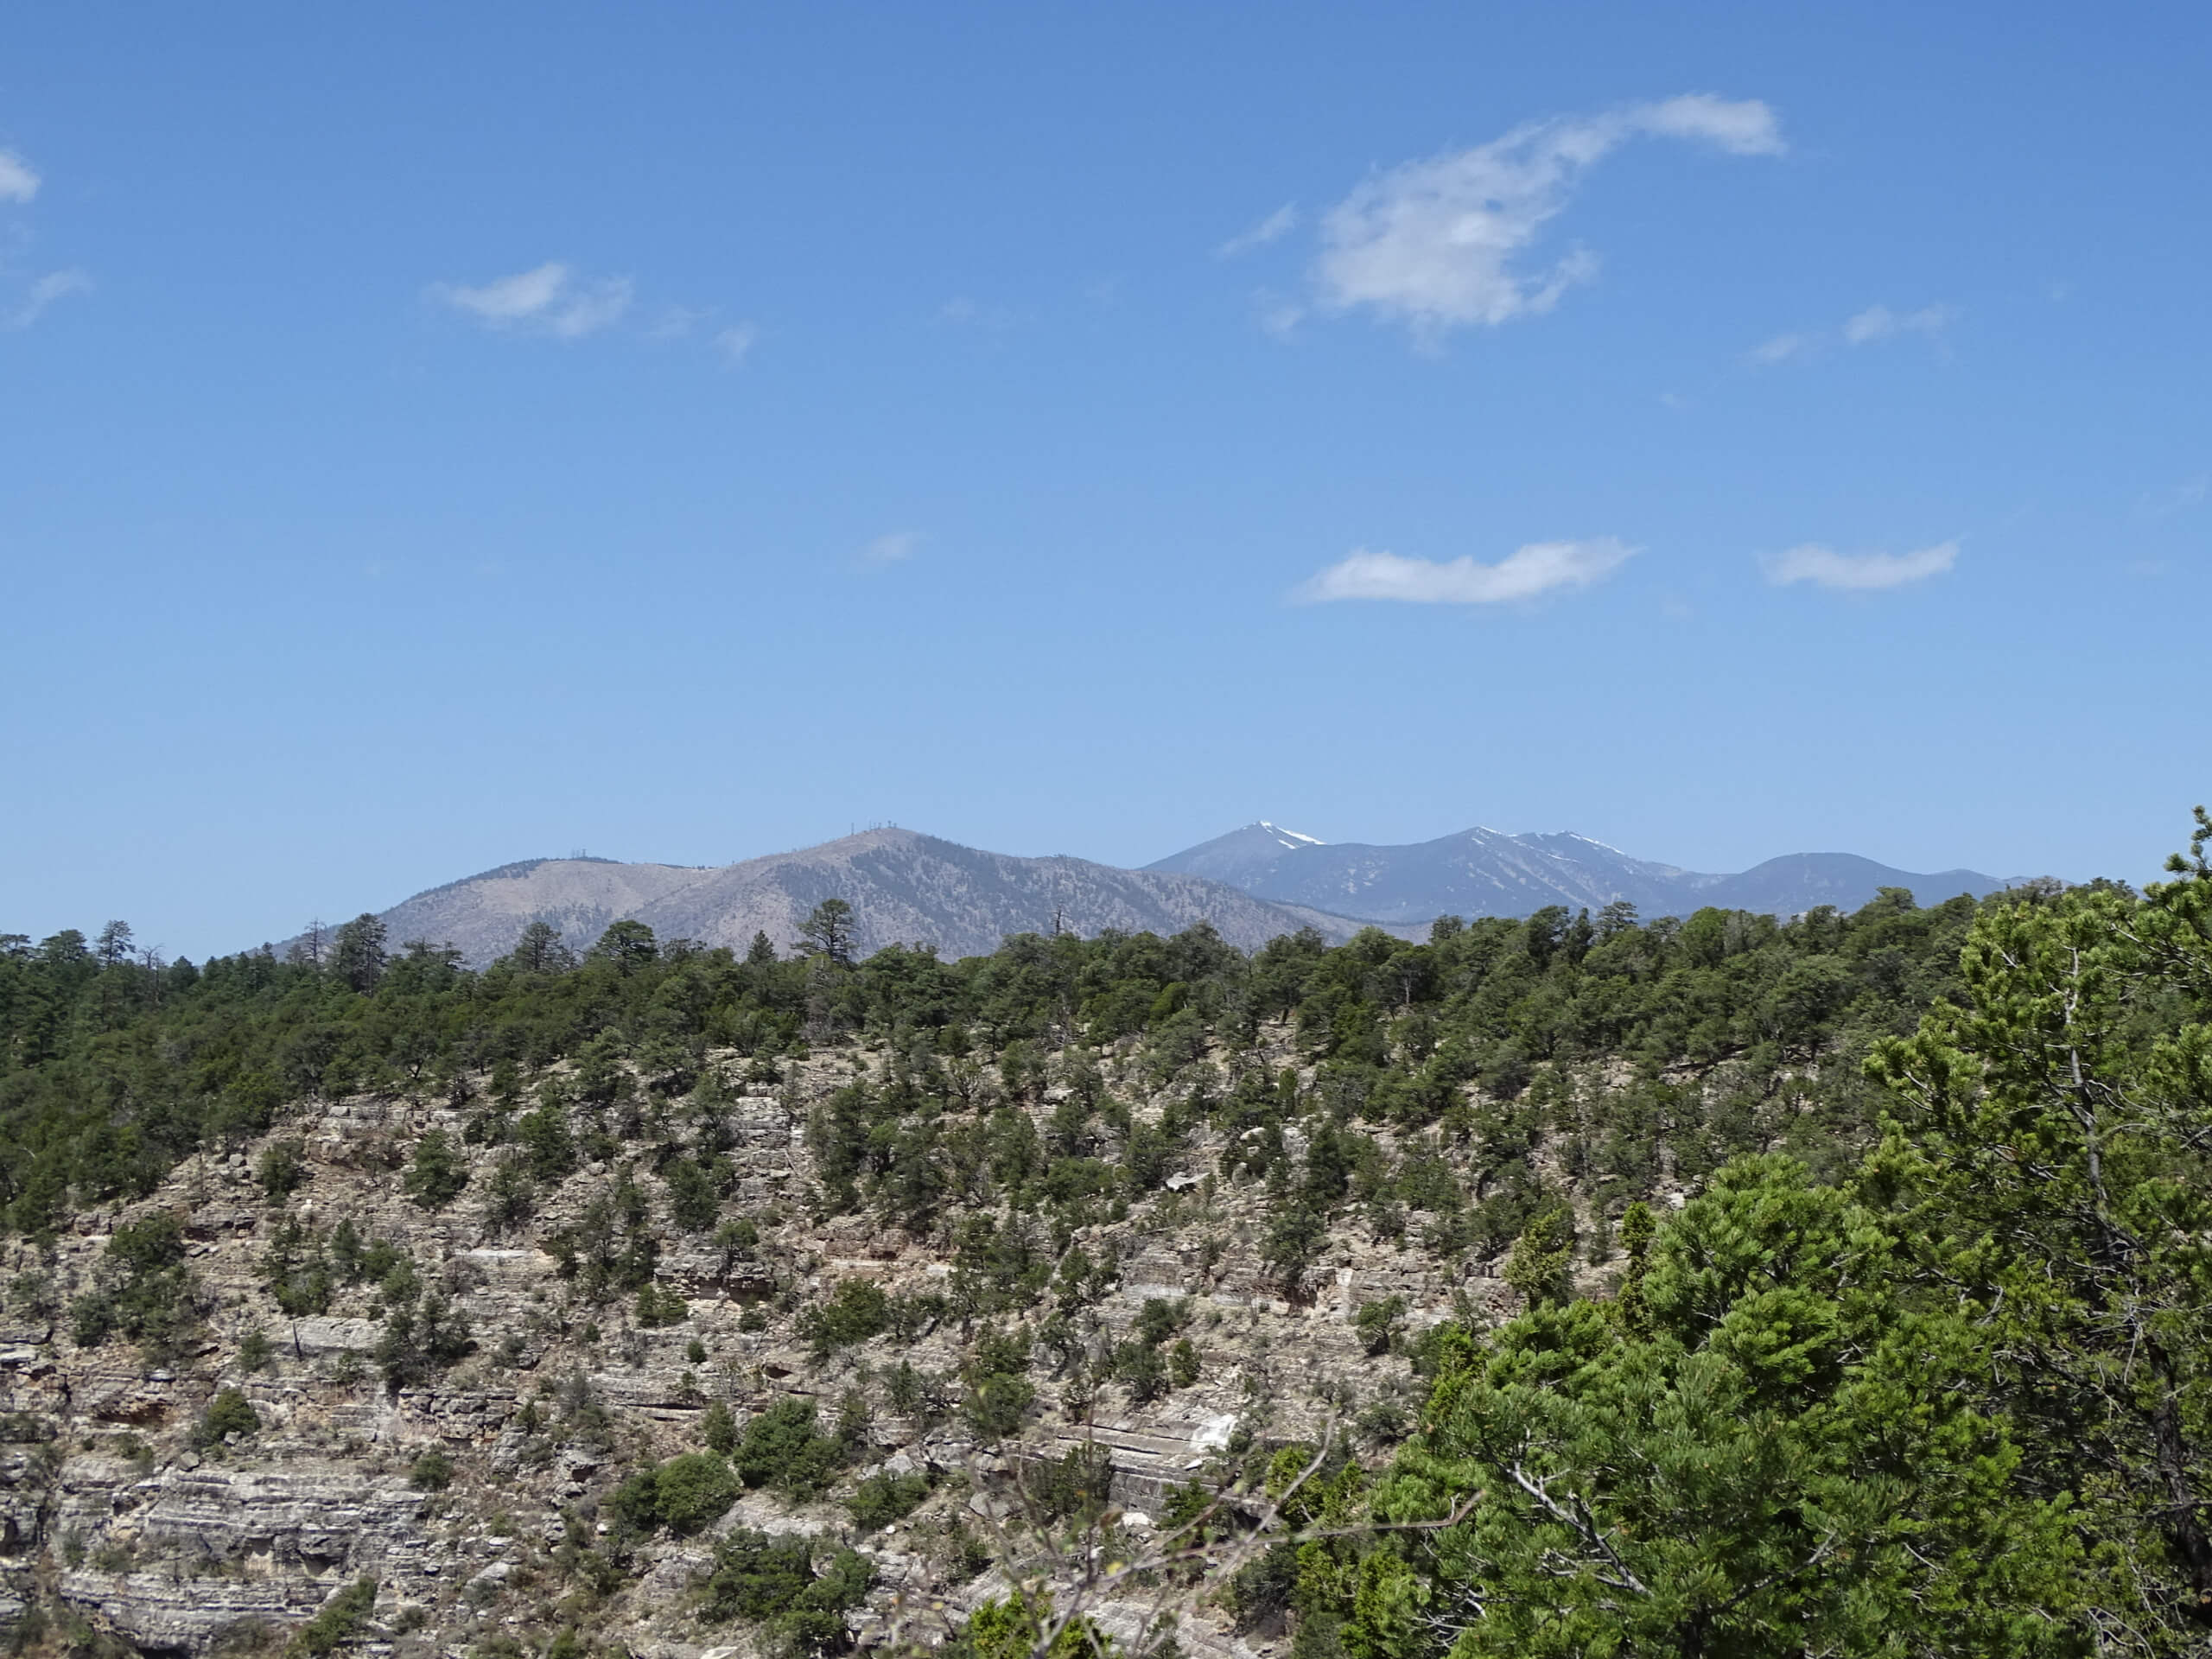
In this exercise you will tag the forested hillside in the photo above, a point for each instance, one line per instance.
(1581, 1285)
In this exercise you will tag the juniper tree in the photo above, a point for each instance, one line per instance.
(2054, 1163)
(439, 1172)
(1781, 1461)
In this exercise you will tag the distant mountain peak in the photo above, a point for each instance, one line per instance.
(1487, 872)
(1239, 856)
(904, 887)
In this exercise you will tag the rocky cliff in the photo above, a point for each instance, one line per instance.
(452, 1423)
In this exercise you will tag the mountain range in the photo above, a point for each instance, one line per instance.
(904, 888)
(1486, 873)
(1253, 884)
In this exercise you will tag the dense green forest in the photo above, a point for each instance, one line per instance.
(1920, 1368)
(112, 1069)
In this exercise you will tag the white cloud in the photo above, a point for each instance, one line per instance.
(551, 299)
(589, 310)
(1436, 244)
(547, 298)
(1528, 571)
(54, 285)
(1278, 316)
(1858, 572)
(1880, 322)
(511, 299)
(1745, 127)
(734, 342)
(676, 321)
(896, 548)
(731, 342)
(19, 180)
(1876, 322)
(1275, 226)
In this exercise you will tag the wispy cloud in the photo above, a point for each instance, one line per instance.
(1280, 316)
(547, 299)
(1875, 323)
(676, 321)
(895, 548)
(19, 183)
(1880, 322)
(54, 285)
(1538, 568)
(735, 342)
(1438, 244)
(731, 343)
(552, 300)
(1276, 225)
(19, 180)
(510, 299)
(1858, 572)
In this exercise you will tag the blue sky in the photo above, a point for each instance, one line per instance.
(434, 436)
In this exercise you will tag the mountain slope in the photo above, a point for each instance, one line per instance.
(484, 914)
(1800, 880)
(903, 886)
(1237, 856)
(1486, 873)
